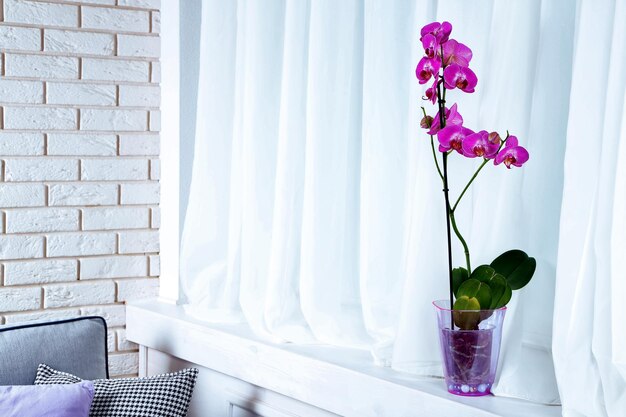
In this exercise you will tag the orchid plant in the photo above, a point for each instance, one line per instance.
(445, 66)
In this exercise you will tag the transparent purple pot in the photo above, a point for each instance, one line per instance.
(470, 357)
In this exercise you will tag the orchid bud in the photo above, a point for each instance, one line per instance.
(494, 138)
(431, 93)
(426, 122)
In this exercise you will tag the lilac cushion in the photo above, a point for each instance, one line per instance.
(46, 400)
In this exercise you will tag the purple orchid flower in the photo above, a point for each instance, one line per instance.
(462, 77)
(426, 68)
(453, 117)
(430, 44)
(431, 92)
(441, 31)
(452, 137)
(512, 154)
(456, 53)
(481, 144)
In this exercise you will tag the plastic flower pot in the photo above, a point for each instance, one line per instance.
(470, 357)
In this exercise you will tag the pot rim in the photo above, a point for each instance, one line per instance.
(440, 308)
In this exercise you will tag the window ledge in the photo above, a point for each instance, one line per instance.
(334, 379)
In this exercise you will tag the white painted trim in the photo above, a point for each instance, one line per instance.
(170, 150)
(341, 381)
(143, 361)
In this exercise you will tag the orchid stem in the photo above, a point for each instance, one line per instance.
(448, 219)
(432, 145)
(465, 247)
(442, 123)
(458, 200)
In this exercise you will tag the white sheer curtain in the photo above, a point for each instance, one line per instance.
(589, 330)
(315, 213)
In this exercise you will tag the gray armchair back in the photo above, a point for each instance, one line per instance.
(77, 346)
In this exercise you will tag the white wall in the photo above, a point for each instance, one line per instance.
(79, 148)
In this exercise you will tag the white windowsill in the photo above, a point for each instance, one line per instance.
(334, 379)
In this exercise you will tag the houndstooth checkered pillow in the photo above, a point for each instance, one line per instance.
(165, 395)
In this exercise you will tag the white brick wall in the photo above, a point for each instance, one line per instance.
(25, 39)
(115, 70)
(77, 94)
(83, 194)
(22, 143)
(18, 91)
(79, 167)
(40, 271)
(79, 42)
(42, 220)
(43, 67)
(82, 144)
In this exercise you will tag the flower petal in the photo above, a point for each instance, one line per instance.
(452, 137)
(426, 68)
(462, 77)
(456, 53)
(470, 143)
(453, 117)
(512, 155)
(429, 28)
(499, 157)
(430, 44)
(449, 76)
(479, 145)
(470, 78)
(444, 32)
(521, 156)
(511, 142)
(441, 31)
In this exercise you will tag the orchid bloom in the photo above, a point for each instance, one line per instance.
(441, 31)
(452, 137)
(426, 68)
(430, 44)
(512, 154)
(456, 53)
(453, 117)
(457, 76)
(481, 144)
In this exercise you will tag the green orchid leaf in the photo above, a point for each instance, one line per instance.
(477, 289)
(500, 291)
(506, 263)
(483, 273)
(522, 274)
(516, 266)
(505, 298)
(459, 275)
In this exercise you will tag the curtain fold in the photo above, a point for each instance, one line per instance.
(329, 274)
(205, 283)
(283, 313)
(316, 214)
(589, 338)
(385, 141)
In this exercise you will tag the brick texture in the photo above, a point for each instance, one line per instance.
(79, 162)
